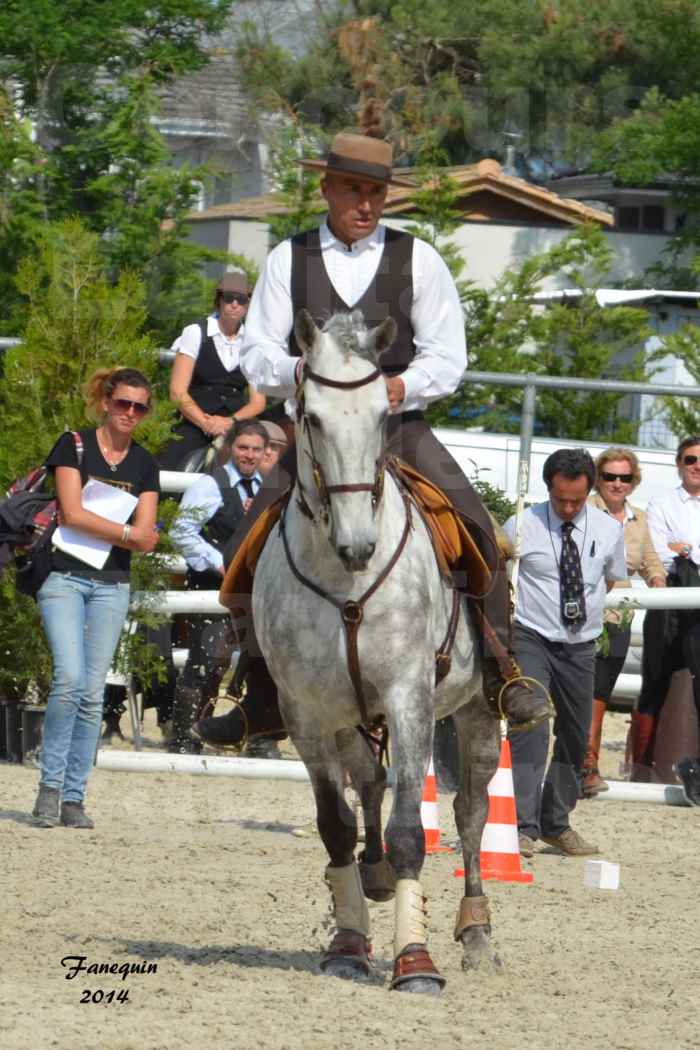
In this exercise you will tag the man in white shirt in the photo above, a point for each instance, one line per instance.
(210, 511)
(571, 554)
(353, 262)
(674, 525)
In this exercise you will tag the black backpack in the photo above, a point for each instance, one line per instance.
(27, 522)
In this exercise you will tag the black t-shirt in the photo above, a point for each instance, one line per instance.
(137, 473)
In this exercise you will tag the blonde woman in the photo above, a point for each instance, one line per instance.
(617, 476)
(83, 609)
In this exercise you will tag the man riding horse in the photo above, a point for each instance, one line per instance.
(353, 262)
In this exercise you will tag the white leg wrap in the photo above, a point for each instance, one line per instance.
(349, 904)
(411, 922)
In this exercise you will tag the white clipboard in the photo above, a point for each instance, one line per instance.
(109, 502)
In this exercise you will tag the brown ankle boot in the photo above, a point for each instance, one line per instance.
(592, 783)
(640, 747)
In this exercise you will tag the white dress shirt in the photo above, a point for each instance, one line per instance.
(674, 518)
(198, 506)
(600, 541)
(436, 316)
(228, 347)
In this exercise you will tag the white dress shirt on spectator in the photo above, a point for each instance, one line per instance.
(199, 505)
(228, 347)
(674, 518)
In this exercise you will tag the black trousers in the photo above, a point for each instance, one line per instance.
(178, 450)
(666, 651)
(567, 671)
(411, 439)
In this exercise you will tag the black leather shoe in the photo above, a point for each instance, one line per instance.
(689, 771)
(523, 706)
(245, 721)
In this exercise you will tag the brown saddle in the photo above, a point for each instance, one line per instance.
(455, 548)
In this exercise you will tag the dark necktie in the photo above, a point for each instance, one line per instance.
(247, 485)
(573, 603)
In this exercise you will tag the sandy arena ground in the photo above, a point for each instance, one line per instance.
(203, 877)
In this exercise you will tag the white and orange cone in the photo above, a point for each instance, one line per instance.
(500, 852)
(429, 815)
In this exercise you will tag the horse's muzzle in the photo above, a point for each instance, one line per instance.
(356, 558)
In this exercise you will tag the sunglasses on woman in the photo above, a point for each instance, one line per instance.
(626, 478)
(123, 404)
(236, 297)
(688, 461)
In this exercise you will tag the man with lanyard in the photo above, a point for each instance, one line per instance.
(571, 554)
(674, 525)
(353, 262)
(210, 511)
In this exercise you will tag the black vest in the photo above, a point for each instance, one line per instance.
(219, 529)
(216, 391)
(390, 294)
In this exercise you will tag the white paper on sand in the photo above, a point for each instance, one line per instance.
(109, 502)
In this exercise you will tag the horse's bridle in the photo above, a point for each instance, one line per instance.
(352, 612)
(325, 491)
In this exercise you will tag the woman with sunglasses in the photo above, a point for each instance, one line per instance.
(82, 608)
(206, 382)
(617, 476)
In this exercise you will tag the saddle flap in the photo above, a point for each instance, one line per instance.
(455, 547)
(239, 575)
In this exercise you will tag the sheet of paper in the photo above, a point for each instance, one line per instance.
(109, 502)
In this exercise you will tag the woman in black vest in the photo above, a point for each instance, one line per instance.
(206, 382)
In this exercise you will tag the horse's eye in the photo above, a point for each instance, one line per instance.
(314, 421)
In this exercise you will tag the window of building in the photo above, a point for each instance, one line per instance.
(647, 218)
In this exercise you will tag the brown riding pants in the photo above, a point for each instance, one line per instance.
(410, 438)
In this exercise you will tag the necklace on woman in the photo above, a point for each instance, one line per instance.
(106, 451)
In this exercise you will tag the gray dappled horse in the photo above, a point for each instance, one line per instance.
(350, 610)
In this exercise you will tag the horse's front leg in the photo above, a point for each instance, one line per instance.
(348, 954)
(479, 745)
(368, 778)
(411, 734)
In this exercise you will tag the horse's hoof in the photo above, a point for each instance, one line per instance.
(347, 969)
(378, 879)
(348, 956)
(479, 953)
(415, 971)
(421, 986)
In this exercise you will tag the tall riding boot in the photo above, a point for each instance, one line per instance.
(640, 746)
(186, 708)
(256, 715)
(592, 782)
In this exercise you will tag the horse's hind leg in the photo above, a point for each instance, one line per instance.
(479, 746)
(348, 954)
(368, 778)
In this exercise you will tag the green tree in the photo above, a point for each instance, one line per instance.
(86, 76)
(452, 73)
(78, 320)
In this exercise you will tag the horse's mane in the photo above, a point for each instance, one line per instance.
(350, 332)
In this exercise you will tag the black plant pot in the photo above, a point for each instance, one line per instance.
(31, 728)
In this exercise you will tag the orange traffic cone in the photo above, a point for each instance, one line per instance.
(500, 852)
(429, 814)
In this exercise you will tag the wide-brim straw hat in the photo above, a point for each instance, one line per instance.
(360, 155)
(234, 281)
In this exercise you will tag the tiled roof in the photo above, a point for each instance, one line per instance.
(485, 179)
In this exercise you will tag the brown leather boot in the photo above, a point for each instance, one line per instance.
(640, 747)
(256, 715)
(592, 783)
(523, 705)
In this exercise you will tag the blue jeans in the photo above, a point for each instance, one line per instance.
(83, 620)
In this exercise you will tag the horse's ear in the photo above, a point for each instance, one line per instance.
(383, 336)
(305, 330)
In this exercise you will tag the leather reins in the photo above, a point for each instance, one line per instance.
(352, 611)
